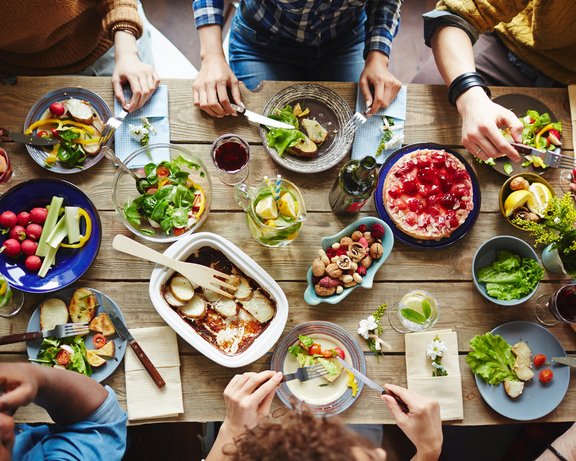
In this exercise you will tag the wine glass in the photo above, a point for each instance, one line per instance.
(551, 309)
(568, 181)
(11, 300)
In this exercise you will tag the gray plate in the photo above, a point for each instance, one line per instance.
(538, 399)
(101, 373)
(330, 110)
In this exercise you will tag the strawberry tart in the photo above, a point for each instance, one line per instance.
(428, 194)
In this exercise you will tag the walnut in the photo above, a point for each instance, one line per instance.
(344, 262)
(356, 251)
(345, 241)
(356, 235)
(351, 284)
(332, 270)
(318, 267)
(376, 250)
(519, 183)
(324, 291)
(366, 261)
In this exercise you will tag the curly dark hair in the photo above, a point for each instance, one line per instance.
(298, 436)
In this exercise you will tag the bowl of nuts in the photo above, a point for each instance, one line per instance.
(348, 260)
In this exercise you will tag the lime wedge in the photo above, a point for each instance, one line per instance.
(266, 208)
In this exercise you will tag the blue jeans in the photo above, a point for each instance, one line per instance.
(255, 56)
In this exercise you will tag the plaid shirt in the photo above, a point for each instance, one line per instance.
(313, 22)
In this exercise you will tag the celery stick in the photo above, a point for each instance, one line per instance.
(58, 234)
(72, 214)
(48, 262)
(49, 225)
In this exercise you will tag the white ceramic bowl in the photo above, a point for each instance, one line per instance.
(263, 343)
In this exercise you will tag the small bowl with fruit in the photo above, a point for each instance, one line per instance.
(347, 260)
(526, 196)
(170, 200)
(51, 233)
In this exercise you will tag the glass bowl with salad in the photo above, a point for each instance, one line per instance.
(170, 199)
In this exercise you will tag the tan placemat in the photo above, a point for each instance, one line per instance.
(143, 398)
(446, 389)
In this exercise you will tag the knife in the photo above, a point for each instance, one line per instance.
(125, 334)
(261, 119)
(7, 135)
(366, 380)
(570, 361)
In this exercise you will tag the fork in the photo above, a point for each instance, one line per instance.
(111, 126)
(59, 331)
(197, 273)
(306, 373)
(550, 158)
(355, 122)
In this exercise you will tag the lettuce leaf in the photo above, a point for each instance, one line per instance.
(491, 358)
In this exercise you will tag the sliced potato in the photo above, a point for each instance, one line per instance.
(316, 132)
(304, 148)
(259, 306)
(339, 367)
(53, 312)
(226, 307)
(108, 351)
(513, 388)
(245, 316)
(102, 324)
(195, 308)
(211, 296)
(243, 289)
(82, 307)
(94, 359)
(171, 299)
(182, 288)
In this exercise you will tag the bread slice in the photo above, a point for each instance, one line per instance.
(102, 324)
(79, 110)
(83, 305)
(513, 388)
(259, 306)
(108, 351)
(523, 363)
(316, 132)
(94, 359)
(53, 312)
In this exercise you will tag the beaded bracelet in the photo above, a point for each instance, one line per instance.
(558, 455)
(463, 83)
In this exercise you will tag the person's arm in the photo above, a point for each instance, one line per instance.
(215, 78)
(248, 398)
(378, 85)
(422, 424)
(565, 445)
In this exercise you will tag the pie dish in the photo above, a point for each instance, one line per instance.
(428, 194)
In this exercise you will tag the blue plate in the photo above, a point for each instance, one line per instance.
(537, 399)
(381, 209)
(70, 263)
(100, 373)
(336, 335)
(42, 105)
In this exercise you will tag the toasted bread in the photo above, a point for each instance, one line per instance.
(304, 148)
(259, 306)
(82, 307)
(102, 324)
(513, 388)
(53, 312)
(523, 363)
(316, 132)
(108, 351)
(94, 359)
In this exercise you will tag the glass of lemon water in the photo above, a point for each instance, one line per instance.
(11, 301)
(417, 311)
(274, 209)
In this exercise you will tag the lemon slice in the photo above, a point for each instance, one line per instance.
(539, 198)
(266, 208)
(515, 200)
(288, 206)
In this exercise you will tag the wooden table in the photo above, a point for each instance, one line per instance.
(445, 272)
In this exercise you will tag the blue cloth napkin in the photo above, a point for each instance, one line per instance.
(156, 111)
(368, 136)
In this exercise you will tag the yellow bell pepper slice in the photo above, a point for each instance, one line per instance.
(3, 287)
(60, 123)
(352, 383)
(83, 239)
(542, 132)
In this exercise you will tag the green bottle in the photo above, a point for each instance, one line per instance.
(354, 185)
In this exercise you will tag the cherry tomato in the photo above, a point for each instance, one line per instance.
(546, 375)
(539, 360)
(63, 358)
(152, 191)
(99, 340)
(179, 230)
(340, 353)
(55, 133)
(42, 134)
(315, 349)
(162, 172)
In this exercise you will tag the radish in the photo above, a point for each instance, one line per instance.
(34, 231)
(11, 248)
(38, 215)
(57, 108)
(33, 263)
(23, 218)
(8, 219)
(28, 247)
(17, 233)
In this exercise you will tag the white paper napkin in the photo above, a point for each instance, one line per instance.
(156, 111)
(143, 398)
(446, 389)
(368, 136)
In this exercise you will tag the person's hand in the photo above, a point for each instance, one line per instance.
(376, 76)
(422, 424)
(6, 437)
(481, 123)
(20, 384)
(211, 86)
(248, 398)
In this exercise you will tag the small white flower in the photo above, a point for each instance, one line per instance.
(435, 349)
(366, 325)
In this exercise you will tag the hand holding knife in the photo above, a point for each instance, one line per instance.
(125, 334)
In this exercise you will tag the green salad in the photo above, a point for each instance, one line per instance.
(491, 358)
(282, 138)
(69, 353)
(308, 352)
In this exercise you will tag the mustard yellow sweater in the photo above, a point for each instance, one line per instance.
(47, 37)
(540, 32)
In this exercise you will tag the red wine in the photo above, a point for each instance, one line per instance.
(566, 303)
(230, 156)
(5, 166)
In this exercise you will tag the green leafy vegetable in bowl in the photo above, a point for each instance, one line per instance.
(510, 277)
(69, 353)
(491, 358)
